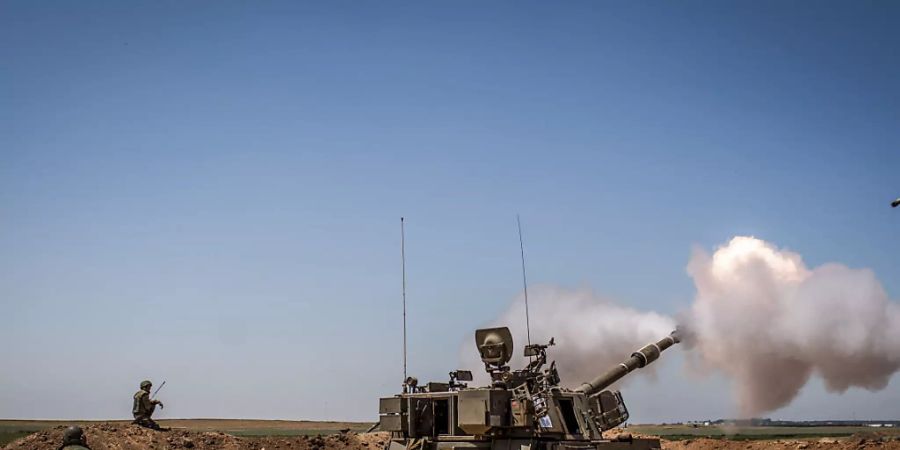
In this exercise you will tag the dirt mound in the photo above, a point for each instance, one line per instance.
(131, 437)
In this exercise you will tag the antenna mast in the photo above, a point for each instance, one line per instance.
(524, 279)
(403, 269)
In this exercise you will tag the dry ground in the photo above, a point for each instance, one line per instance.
(119, 436)
(11, 430)
(791, 444)
(257, 436)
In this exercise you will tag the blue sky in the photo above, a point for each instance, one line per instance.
(210, 193)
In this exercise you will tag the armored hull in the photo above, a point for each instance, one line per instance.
(521, 409)
(488, 419)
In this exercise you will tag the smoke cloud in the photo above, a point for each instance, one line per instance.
(593, 334)
(760, 316)
(768, 322)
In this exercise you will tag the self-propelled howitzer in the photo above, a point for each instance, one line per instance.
(523, 409)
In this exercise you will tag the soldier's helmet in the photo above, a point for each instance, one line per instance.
(146, 384)
(73, 435)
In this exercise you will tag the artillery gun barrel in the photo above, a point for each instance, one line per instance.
(638, 359)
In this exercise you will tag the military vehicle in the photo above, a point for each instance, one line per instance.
(523, 409)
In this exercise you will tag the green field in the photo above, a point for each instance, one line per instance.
(9, 435)
(681, 432)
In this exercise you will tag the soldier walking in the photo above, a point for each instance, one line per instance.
(73, 439)
(144, 406)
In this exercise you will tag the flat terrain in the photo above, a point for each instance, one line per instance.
(680, 432)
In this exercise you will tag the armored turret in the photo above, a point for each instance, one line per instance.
(524, 408)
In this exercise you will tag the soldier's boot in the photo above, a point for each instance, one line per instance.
(147, 422)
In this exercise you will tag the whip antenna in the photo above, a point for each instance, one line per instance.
(403, 269)
(524, 279)
(157, 389)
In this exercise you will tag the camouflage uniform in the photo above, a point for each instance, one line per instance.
(143, 407)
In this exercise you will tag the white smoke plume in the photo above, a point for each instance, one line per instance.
(768, 322)
(592, 334)
(760, 317)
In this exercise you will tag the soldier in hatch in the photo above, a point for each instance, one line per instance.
(73, 439)
(144, 406)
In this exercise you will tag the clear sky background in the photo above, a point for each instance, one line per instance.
(209, 192)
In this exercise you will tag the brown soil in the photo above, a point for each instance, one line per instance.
(202, 424)
(114, 436)
(111, 436)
